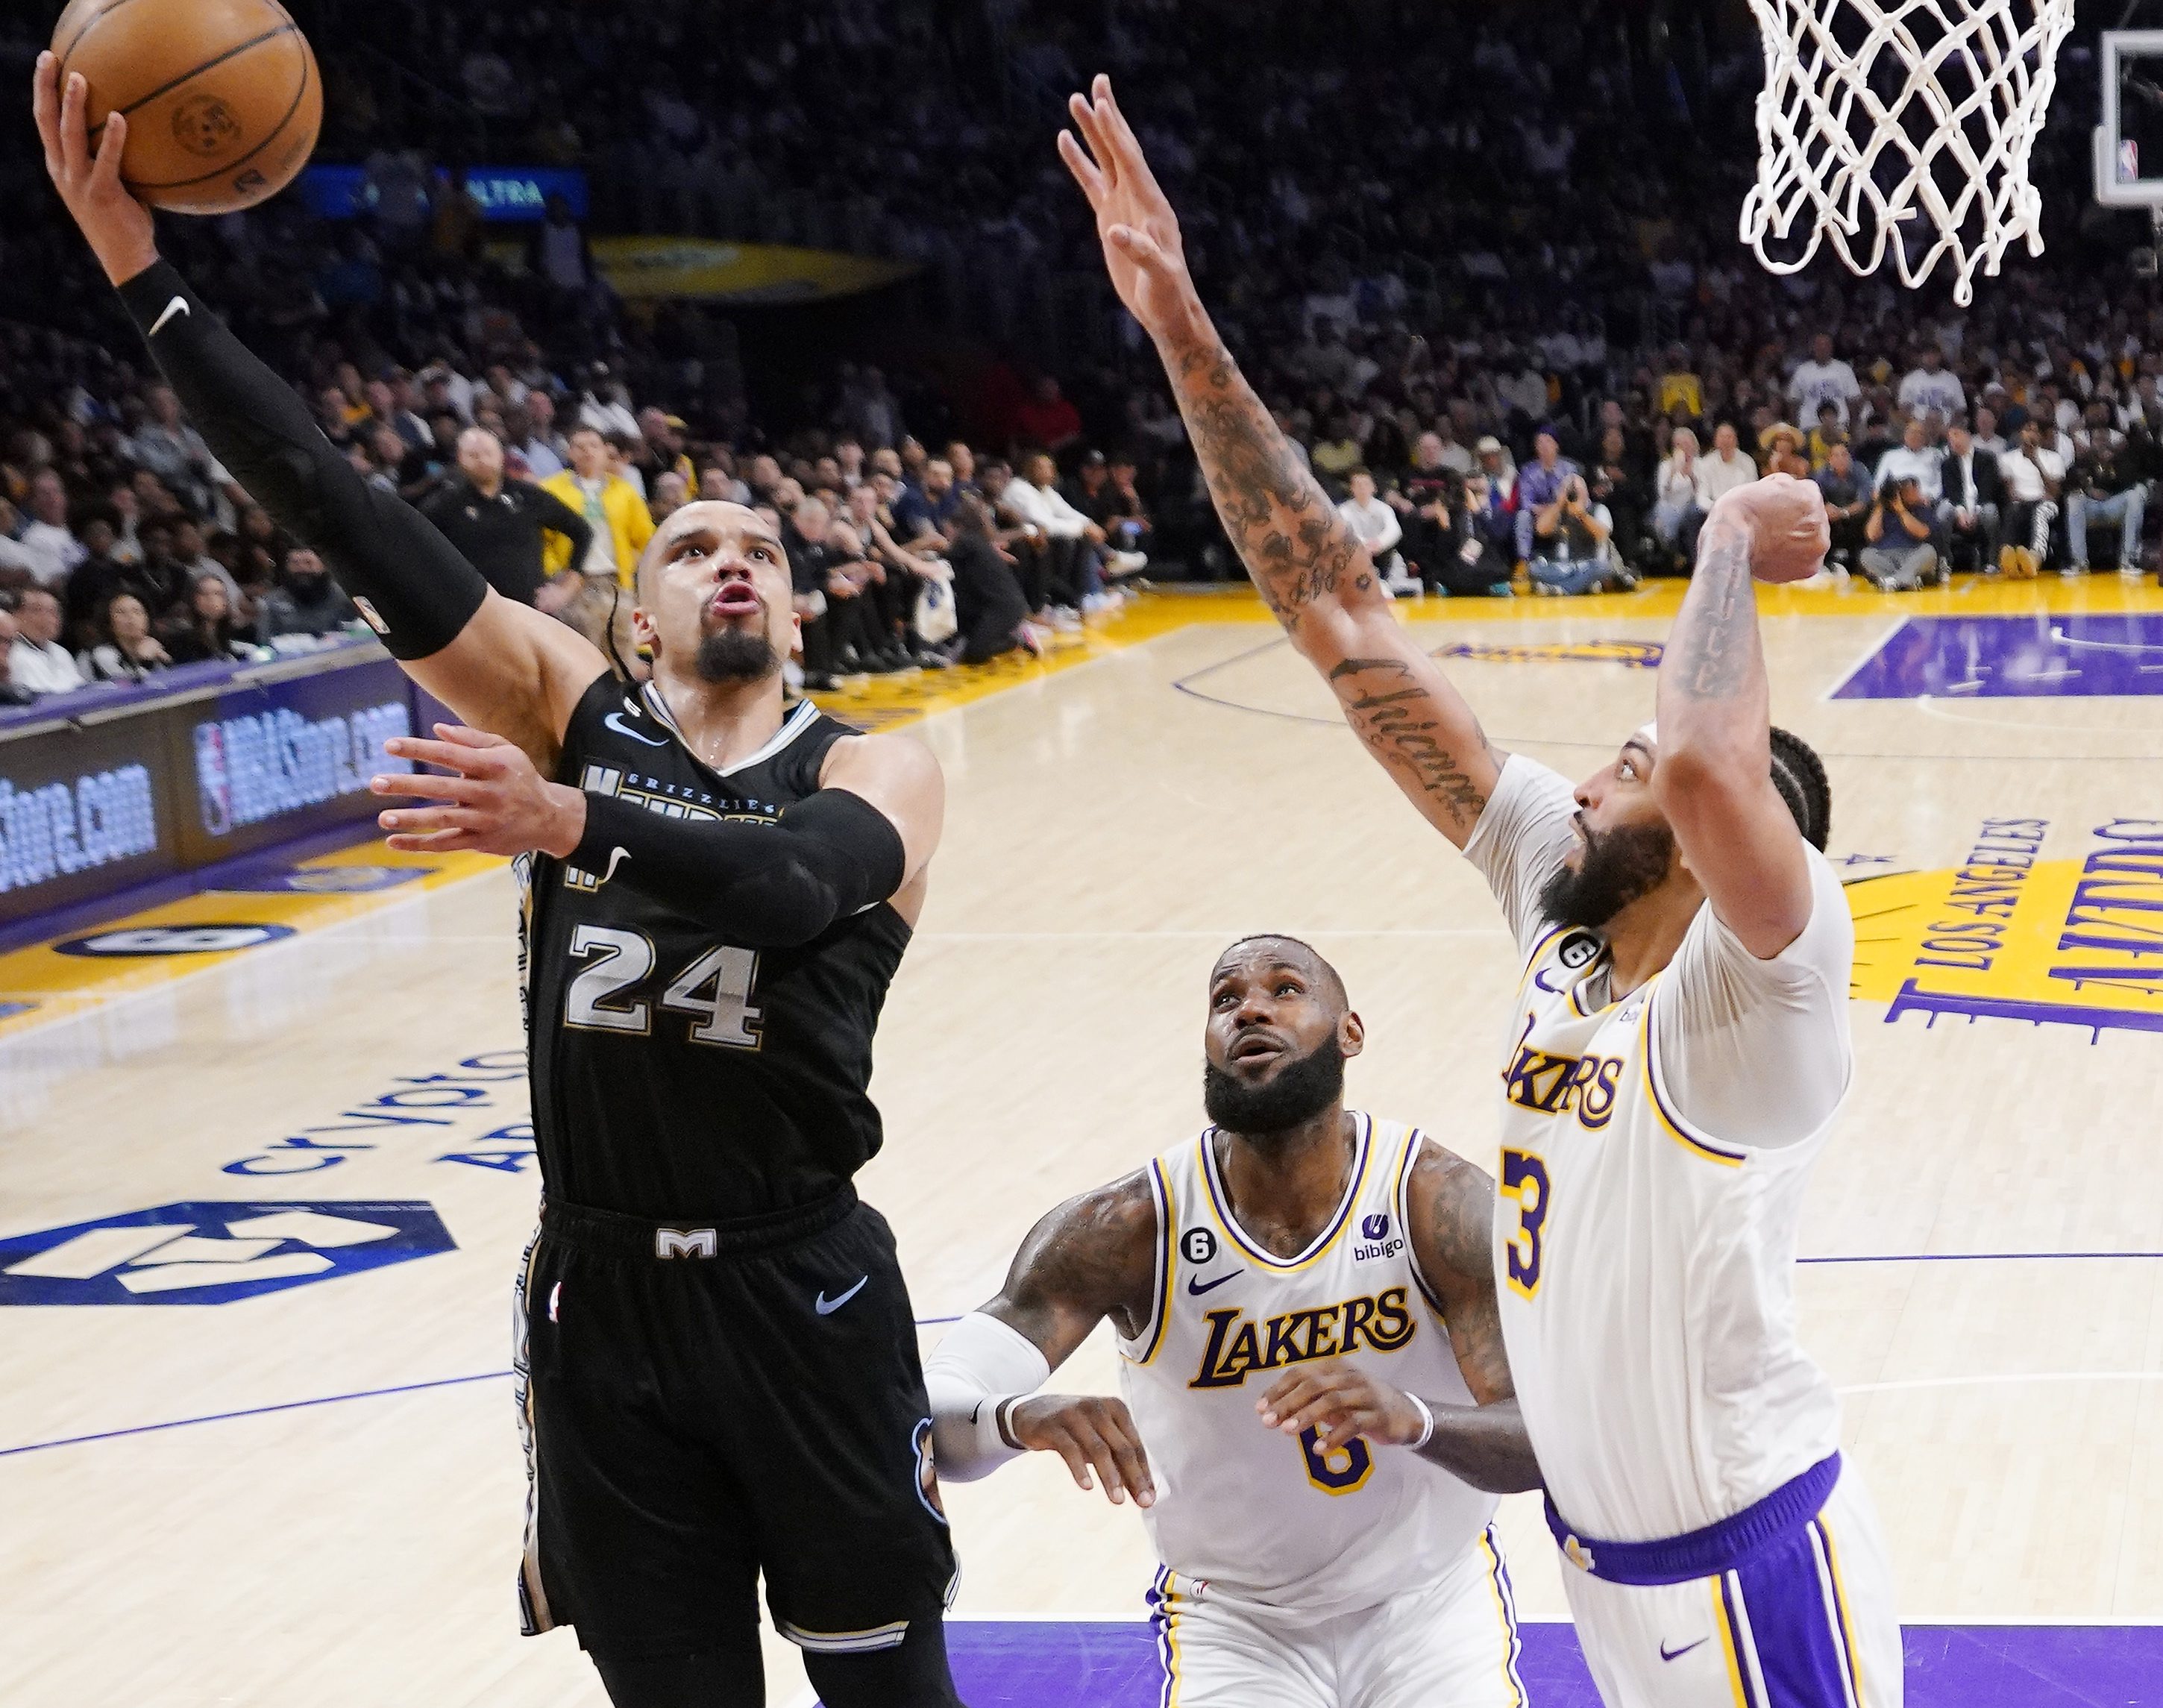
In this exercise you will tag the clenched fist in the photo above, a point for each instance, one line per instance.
(1783, 520)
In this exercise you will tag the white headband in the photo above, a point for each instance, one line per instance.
(1649, 732)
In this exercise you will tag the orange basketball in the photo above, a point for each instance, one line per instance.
(221, 97)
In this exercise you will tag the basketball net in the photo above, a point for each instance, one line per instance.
(1904, 125)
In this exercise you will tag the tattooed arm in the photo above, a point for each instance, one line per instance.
(1712, 769)
(1094, 1257)
(1315, 575)
(1452, 1207)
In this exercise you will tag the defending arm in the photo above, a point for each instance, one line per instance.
(979, 1371)
(410, 582)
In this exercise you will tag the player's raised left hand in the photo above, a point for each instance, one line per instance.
(1338, 1400)
(1142, 251)
(116, 224)
(496, 804)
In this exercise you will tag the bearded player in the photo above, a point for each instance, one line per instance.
(1316, 1395)
(718, 1365)
(1673, 1059)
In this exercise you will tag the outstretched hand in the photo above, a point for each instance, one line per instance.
(116, 224)
(1088, 1430)
(1140, 234)
(498, 803)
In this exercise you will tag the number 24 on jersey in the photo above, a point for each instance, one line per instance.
(715, 989)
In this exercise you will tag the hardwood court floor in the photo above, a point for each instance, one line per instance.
(333, 1516)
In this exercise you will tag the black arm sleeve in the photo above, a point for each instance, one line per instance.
(764, 886)
(409, 581)
(558, 517)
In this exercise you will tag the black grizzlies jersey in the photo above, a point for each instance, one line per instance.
(677, 1076)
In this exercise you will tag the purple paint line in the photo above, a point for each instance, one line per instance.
(488, 1375)
(2015, 657)
(1184, 685)
(1108, 1665)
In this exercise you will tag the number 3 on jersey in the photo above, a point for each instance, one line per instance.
(717, 988)
(1525, 1180)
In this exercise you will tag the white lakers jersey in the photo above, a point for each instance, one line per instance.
(1644, 1258)
(1245, 1513)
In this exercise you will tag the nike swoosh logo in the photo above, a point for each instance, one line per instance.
(1197, 1286)
(1679, 1653)
(179, 305)
(827, 1306)
(617, 856)
(615, 722)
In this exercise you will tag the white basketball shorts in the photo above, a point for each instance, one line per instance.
(1809, 1623)
(1453, 1640)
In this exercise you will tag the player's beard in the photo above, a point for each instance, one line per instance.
(1618, 867)
(1299, 1091)
(736, 655)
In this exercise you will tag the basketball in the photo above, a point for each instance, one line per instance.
(222, 98)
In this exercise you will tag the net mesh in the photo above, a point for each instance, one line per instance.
(1902, 125)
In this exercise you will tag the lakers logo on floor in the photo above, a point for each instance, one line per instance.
(2005, 936)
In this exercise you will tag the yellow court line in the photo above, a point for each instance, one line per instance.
(49, 985)
(39, 984)
(885, 703)
(888, 702)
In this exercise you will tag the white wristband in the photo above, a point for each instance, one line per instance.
(1426, 1422)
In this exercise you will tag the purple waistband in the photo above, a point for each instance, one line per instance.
(1701, 1553)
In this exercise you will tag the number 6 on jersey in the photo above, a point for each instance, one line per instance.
(1525, 1180)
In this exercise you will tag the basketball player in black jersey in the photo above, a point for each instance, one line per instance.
(718, 1357)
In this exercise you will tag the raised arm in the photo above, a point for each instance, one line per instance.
(1452, 1207)
(499, 665)
(1094, 1257)
(1313, 572)
(1712, 772)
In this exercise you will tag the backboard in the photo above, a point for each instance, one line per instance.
(2129, 143)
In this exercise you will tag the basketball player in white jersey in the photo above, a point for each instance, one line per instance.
(1316, 1396)
(1672, 1060)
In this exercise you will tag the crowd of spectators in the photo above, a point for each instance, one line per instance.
(1484, 274)
(133, 550)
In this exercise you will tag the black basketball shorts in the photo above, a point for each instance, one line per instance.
(700, 1405)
